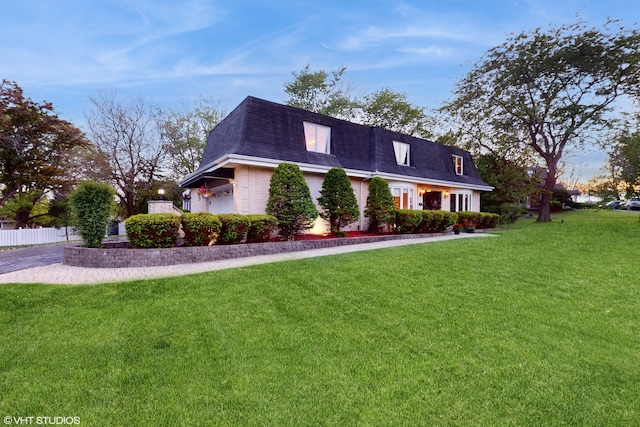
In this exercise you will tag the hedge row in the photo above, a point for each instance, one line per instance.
(200, 229)
(479, 219)
(153, 230)
(205, 229)
(410, 221)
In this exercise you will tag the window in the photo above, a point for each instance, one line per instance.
(402, 153)
(403, 197)
(317, 138)
(458, 165)
(460, 202)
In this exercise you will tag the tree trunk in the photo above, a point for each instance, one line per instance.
(22, 219)
(544, 215)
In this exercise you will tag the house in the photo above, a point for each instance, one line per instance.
(7, 223)
(243, 150)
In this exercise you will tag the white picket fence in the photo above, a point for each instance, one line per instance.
(37, 236)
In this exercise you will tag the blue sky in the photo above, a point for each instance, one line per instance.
(173, 51)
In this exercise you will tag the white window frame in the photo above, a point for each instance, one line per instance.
(317, 137)
(458, 164)
(399, 191)
(402, 151)
(461, 201)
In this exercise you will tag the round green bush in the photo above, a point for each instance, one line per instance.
(200, 229)
(158, 230)
(234, 228)
(261, 228)
(408, 221)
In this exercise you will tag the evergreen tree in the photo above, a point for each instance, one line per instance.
(380, 207)
(338, 200)
(290, 201)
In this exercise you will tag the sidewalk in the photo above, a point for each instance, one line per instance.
(69, 275)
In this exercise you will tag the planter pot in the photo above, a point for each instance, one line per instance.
(456, 231)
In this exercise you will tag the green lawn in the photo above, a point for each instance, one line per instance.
(539, 326)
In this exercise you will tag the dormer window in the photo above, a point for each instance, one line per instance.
(458, 165)
(402, 153)
(317, 138)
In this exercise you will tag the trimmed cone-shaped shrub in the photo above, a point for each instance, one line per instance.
(290, 201)
(234, 228)
(159, 230)
(261, 228)
(200, 229)
(92, 203)
(380, 209)
(338, 200)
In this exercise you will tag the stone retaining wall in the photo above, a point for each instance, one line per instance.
(123, 257)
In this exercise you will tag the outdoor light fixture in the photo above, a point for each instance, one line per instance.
(161, 193)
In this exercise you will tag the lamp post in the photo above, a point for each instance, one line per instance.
(161, 193)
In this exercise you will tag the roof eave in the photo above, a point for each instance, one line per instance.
(228, 159)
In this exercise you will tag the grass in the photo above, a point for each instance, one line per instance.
(538, 326)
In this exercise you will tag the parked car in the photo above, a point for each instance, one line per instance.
(614, 204)
(633, 204)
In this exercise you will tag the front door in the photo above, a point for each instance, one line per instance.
(432, 200)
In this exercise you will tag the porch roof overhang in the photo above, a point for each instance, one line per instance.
(199, 179)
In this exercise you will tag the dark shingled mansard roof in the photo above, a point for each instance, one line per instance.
(266, 130)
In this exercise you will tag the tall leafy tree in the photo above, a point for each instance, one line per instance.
(290, 201)
(624, 159)
(321, 92)
(37, 150)
(338, 200)
(391, 110)
(129, 136)
(511, 183)
(547, 91)
(186, 133)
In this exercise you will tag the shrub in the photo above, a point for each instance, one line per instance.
(466, 217)
(488, 220)
(509, 212)
(290, 201)
(479, 219)
(380, 209)
(449, 218)
(432, 221)
(338, 200)
(200, 229)
(159, 230)
(234, 228)
(408, 221)
(92, 204)
(261, 228)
